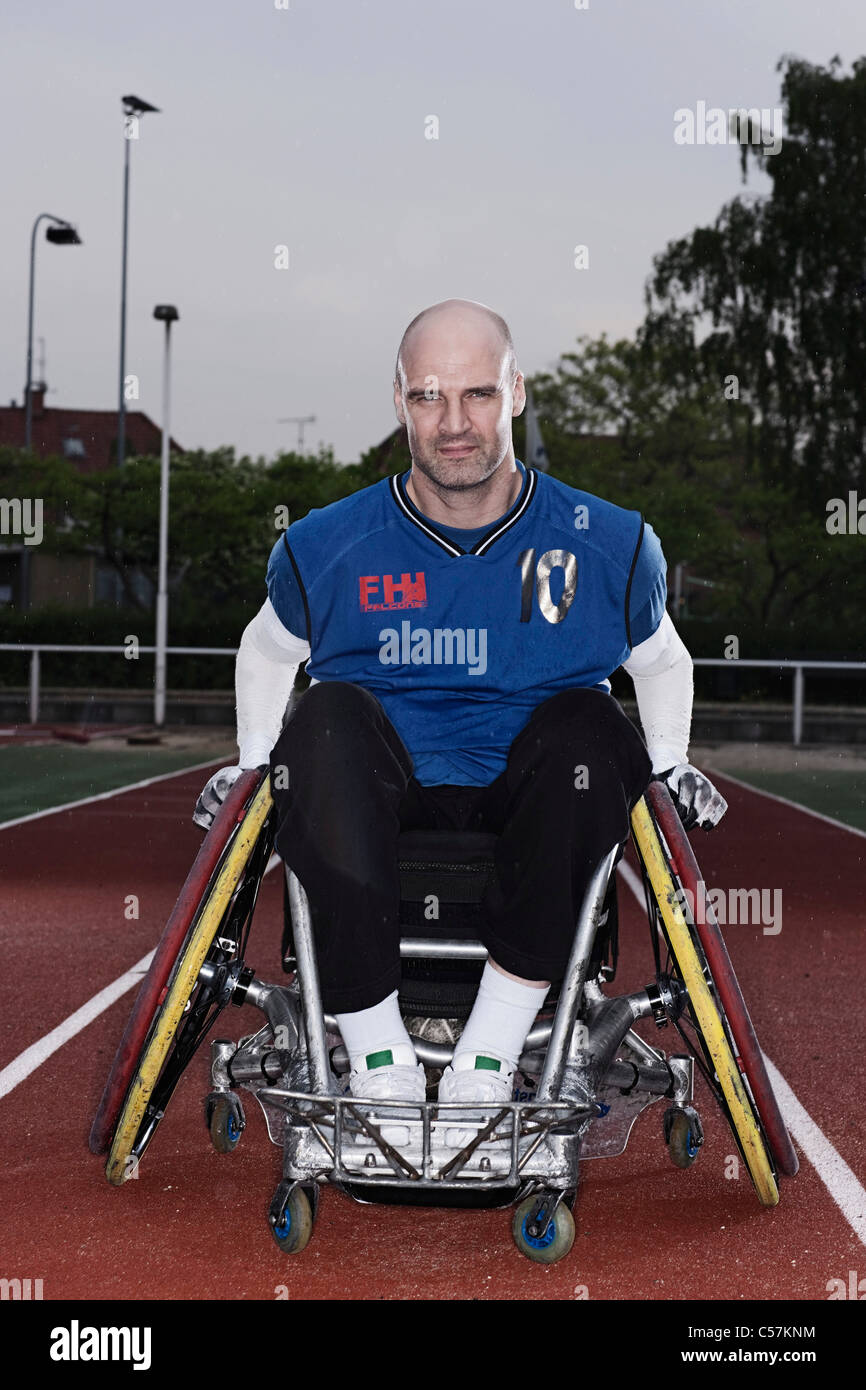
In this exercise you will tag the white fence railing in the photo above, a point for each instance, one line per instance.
(798, 668)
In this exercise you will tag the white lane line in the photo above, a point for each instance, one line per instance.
(633, 881)
(39, 1052)
(103, 796)
(845, 1189)
(841, 1183)
(797, 805)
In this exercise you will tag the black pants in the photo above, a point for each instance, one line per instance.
(574, 772)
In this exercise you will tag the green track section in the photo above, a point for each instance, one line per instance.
(38, 777)
(841, 795)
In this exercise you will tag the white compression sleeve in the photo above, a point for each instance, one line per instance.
(662, 672)
(267, 663)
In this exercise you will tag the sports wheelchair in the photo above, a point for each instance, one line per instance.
(583, 1079)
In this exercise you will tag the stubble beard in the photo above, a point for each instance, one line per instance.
(458, 475)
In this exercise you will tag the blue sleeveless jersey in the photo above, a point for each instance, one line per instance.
(461, 642)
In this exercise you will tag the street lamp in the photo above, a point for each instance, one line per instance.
(62, 233)
(133, 107)
(168, 315)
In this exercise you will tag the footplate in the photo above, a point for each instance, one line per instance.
(396, 1143)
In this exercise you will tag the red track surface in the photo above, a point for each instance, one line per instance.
(193, 1225)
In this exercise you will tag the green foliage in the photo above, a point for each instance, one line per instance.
(774, 292)
(738, 410)
(225, 515)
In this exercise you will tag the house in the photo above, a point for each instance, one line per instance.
(86, 437)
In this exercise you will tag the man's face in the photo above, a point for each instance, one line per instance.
(457, 402)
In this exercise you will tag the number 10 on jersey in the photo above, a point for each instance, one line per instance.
(550, 560)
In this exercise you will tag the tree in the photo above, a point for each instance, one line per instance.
(773, 292)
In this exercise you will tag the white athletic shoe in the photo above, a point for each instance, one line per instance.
(392, 1081)
(478, 1083)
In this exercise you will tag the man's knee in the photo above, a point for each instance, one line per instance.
(325, 706)
(580, 706)
(331, 696)
(583, 719)
(592, 728)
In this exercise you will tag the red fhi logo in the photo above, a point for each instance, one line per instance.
(384, 591)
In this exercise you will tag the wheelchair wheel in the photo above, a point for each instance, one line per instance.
(556, 1241)
(706, 1012)
(684, 1135)
(682, 861)
(291, 1219)
(153, 986)
(186, 1006)
(225, 1122)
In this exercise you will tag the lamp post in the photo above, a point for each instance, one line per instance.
(62, 233)
(133, 108)
(167, 314)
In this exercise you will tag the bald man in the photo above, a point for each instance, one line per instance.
(459, 624)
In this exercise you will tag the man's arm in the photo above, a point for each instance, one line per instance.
(662, 673)
(267, 663)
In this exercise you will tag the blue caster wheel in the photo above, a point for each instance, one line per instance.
(291, 1218)
(684, 1135)
(225, 1122)
(544, 1246)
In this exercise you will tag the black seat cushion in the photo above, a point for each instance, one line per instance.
(443, 874)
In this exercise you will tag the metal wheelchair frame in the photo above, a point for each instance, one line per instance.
(586, 1102)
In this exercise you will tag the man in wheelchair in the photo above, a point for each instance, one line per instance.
(459, 624)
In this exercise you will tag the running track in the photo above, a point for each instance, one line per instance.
(193, 1225)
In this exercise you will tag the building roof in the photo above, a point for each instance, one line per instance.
(88, 438)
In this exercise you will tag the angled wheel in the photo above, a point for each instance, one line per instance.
(177, 1003)
(748, 1052)
(706, 1012)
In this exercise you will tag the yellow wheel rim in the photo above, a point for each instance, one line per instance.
(118, 1167)
(706, 1012)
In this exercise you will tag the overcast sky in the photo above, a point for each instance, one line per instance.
(306, 127)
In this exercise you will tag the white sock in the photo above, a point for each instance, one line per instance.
(501, 1017)
(377, 1037)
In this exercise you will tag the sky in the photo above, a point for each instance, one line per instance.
(308, 128)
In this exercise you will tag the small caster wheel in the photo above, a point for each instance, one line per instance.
(684, 1135)
(291, 1218)
(555, 1242)
(225, 1121)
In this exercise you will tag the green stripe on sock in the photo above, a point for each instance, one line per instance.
(487, 1064)
(379, 1059)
